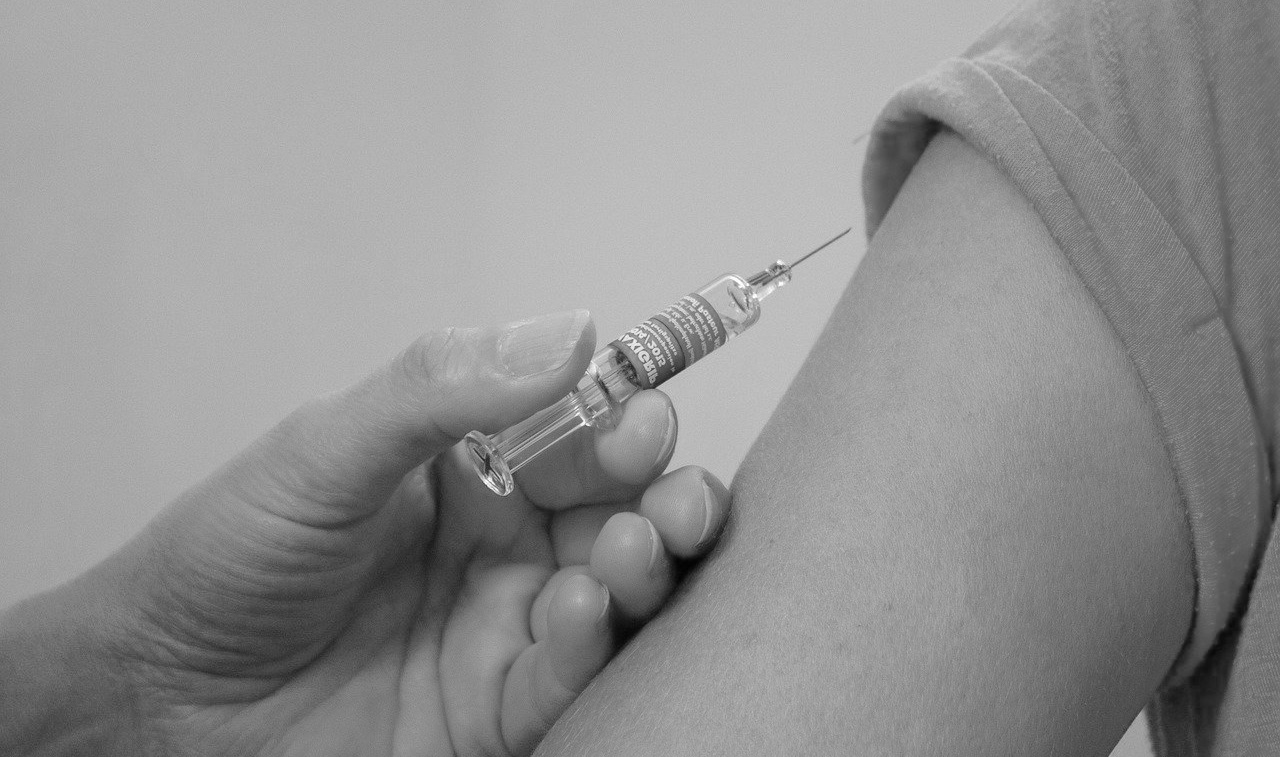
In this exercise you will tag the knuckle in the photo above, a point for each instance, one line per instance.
(438, 360)
(426, 358)
(436, 370)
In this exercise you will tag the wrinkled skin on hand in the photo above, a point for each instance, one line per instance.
(348, 586)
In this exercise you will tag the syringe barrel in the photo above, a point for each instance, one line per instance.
(688, 330)
(642, 358)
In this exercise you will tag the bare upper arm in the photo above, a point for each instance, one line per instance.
(958, 535)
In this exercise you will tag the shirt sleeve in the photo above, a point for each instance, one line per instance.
(1109, 118)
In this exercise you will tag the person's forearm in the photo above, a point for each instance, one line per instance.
(61, 689)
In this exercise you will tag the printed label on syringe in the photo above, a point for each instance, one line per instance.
(672, 340)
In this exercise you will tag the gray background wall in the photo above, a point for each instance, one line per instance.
(210, 212)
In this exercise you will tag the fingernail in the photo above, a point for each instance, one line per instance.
(604, 605)
(669, 436)
(541, 345)
(709, 507)
(655, 547)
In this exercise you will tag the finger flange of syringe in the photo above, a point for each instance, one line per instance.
(644, 357)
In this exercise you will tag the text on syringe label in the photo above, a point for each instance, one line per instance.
(665, 344)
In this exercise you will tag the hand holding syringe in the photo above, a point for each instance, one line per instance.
(642, 358)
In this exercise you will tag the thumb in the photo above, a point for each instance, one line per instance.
(349, 450)
(234, 589)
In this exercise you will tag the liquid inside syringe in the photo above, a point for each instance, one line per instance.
(644, 357)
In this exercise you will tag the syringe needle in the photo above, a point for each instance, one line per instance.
(820, 247)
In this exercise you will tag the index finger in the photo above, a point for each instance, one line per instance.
(593, 466)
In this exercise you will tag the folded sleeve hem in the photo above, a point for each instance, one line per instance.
(1144, 280)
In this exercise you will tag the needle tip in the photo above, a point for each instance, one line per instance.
(821, 247)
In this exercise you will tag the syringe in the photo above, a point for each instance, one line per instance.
(644, 357)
